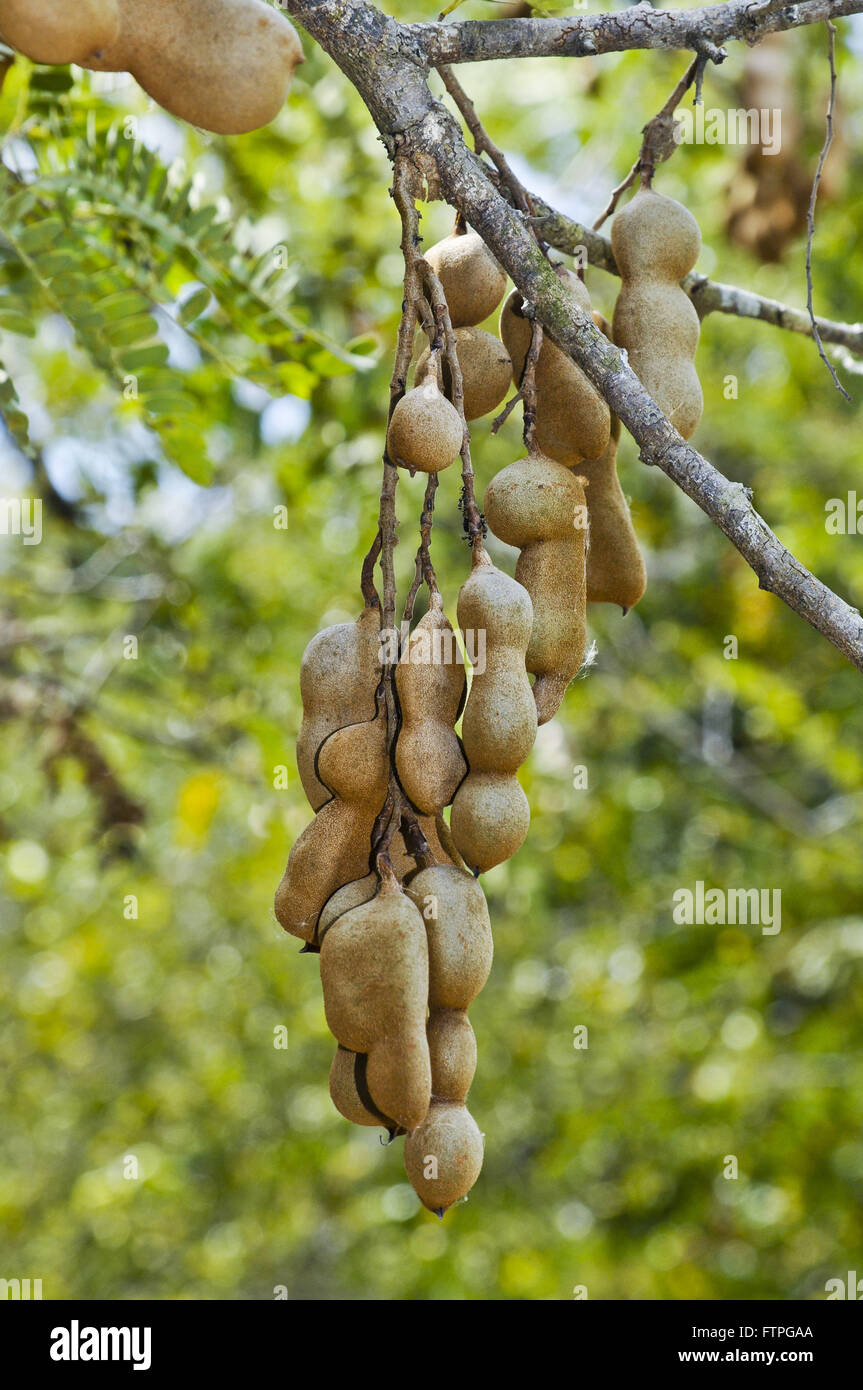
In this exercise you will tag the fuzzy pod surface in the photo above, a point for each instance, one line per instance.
(472, 279)
(223, 65)
(345, 1089)
(458, 929)
(452, 1054)
(425, 432)
(656, 241)
(443, 1157)
(374, 975)
(339, 674)
(335, 848)
(374, 970)
(486, 369)
(615, 564)
(430, 683)
(572, 418)
(59, 31)
(539, 506)
(490, 815)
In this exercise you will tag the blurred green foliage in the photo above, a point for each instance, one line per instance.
(143, 976)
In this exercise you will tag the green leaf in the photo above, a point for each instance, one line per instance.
(194, 306)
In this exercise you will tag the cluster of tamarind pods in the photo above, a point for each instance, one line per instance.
(222, 65)
(404, 939)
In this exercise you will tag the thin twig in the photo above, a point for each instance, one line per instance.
(501, 419)
(367, 580)
(482, 141)
(397, 811)
(659, 141)
(424, 569)
(483, 144)
(527, 385)
(810, 212)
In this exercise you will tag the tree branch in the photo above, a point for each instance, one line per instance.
(640, 26)
(394, 89)
(813, 199)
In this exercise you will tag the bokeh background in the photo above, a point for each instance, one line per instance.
(151, 1037)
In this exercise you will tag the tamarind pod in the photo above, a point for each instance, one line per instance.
(460, 952)
(539, 505)
(656, 242)
(362, 890)
(430, 684)
(345, 1093)
(490, 819)
(448, 845)
(223, 65)
(458, 929)
(472, 280)
(425, 432)
(499, 722)
(452, 1053)
(336, 847)
(339, 674)
(572, 417)
(353, 894)
(398, 1076)
(374, 971)
(57, 31)
(615, 565)
(490, 816)
(443, 1155)
(486, 369)
(374, 975)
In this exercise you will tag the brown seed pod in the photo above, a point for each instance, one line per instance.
(339, 674)
(572, 418)
(539, 506)
(374, 970)
(398, 1076)
(656, 242)
(615, 565)
(425, 432)
(344, 1090)
(490, 815)
(472, 280)
(223, 65)
(336, 847)
(490, 819)
(486, 369)
(430, 682)
(452, 1052)
(57, 31)
(443, 1157)
(460, 946)
(353, 894)
(460, 951)
(374, 974)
